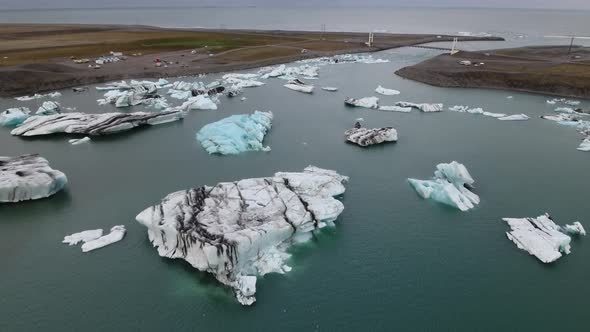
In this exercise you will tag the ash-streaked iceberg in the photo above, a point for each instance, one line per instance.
(541, 236)
(449, 186)
(240, 230)
(367, 102)
(93, 124)
(117, 233)
(13, 117)
(28, 177)
(424, 107)
(236, 134)
(365, 136)
(386, 92)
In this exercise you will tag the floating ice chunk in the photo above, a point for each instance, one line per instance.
(448, 186)
(367, 102)
(49, 108)
(365, 137)
(179, 94)
(386, 92)
(572, 102)
(509, 97)
(540, 237)
(330, 88)
(77, 141)
(14, 116)
(551, 102)
(564, 110)
(93, 124)
(84, 236)
(115, 86)
(234, 91)
(39, 96)
(300, 86)
(494, 115)
(515, 117)
(424, 107)
(585, 145)
(459, 108)
(574, 229)
(201, 102)
(395, 109)
(240, 230)
(28, 177)
(236, 134)
(243, 99)
(242, 80)
(117, 233)
(477, 110)
(284, 72)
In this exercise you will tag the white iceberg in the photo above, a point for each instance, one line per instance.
(13, 117)
(366, 137)
(77, 141)
(574, 229)
(39, 96)
(540, 237)
(299, 85)
(424, 107)
(449, 186)
(201, 102)
(49, 108)
(330, 88)
(240, 230)
(585, 145)
(515, 117)
(114, 86)
(84, 236)
(117, 233)
(28, 177)
(367, 102)
(395, 109)
(386, 92)
(93, 124)
(236, 134)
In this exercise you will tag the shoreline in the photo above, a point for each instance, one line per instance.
(214, 50)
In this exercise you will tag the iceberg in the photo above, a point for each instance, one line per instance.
(201, 102)
(242, 80)
(449, 186)
(13, 117)
(574, 229)
(234, 91)
(39, 96)
(93, 124)
(541, 237)
(386, 92)
(365, 137)
(49, 108)
(515, 117)
(459, 108)
(367, 102)
(330, 88)
(77, 141)
(585, 145)
(28, 177)
(117, 233)
(494, 115)
(114, 86)
(395, 109)
(290, 73)
(423, 107)
(240, 230)
(476, 110)
(299, 85)
(236, 134)
(84, 236)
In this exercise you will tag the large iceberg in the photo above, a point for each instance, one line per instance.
(236, 134)
(13, 117)
(424, 107)
(541, 237)
(449, 186)
(386, 92)
(117, 233)
(93, 124)
(28, 177)
(367, 102)
(240, 230)
(366, 136)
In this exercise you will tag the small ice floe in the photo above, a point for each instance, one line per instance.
(49, 108)
(459, 108)
(201, 102)
(367, 102)
(424, 107)
(114, 86)
(299, 85)
(28, 177)
(243, 99)
(366, 137)
(329, 88)
(541, 237)
(236, 134)
(290, 73)
(386, 92)
(117, 233)
(240, 230)
(234, 91)
(585, 145)
(13, 117)
(509, 97)
(77, 141)
(39, 96)
(572, 102)
(449, 186)
(476, 110)
(574, 229)
(514, 117)
(395, 109)
(83, 236)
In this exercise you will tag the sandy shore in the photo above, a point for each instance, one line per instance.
(547, 70)
(39, 58)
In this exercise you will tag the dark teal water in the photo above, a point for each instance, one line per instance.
(394, 261)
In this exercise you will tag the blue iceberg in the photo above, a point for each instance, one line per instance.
(449, 186)
(13, 117)
(236, 134)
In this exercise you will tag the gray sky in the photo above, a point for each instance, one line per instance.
(552, 4)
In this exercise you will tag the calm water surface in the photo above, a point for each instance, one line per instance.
(394, 261)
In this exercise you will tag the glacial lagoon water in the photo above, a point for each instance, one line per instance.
(393, 262)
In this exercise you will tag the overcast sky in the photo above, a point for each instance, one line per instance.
(553, 4)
